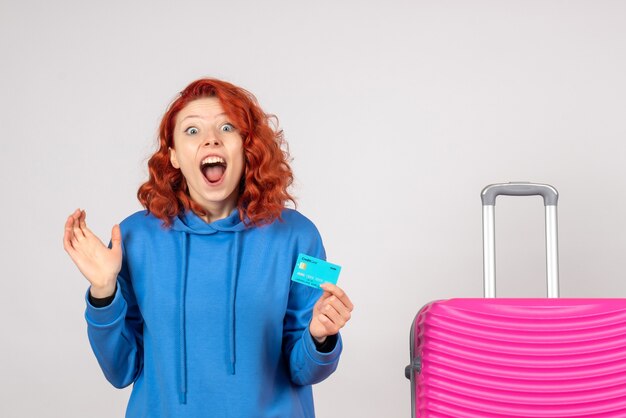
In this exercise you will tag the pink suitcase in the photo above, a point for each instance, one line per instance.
(488, 358)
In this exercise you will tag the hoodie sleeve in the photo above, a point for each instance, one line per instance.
(307, 364)
(115, 332)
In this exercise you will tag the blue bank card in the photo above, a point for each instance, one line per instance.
(313, 272)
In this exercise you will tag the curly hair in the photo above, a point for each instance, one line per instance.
(267, 174)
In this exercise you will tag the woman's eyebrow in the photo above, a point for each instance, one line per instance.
(201, 117)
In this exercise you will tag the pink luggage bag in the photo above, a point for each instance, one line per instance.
(497, 358)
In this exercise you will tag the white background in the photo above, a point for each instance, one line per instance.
(397, 114)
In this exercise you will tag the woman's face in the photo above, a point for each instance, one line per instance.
(209, 151)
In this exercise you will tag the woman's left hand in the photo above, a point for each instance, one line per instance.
(330, 313)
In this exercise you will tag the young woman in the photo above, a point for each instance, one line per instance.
(192, 300)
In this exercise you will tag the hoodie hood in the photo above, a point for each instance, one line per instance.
(188, 224)
(191, 223)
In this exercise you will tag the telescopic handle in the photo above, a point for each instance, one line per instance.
(550, 199)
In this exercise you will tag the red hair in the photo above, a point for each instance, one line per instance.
(267, 174)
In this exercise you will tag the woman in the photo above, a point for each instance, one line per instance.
(192, 300)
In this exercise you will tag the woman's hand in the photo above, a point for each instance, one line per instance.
(99, 264)
(330, 313)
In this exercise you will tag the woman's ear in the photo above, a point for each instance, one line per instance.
(173, 158)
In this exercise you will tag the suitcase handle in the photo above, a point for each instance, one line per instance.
(549, 193)
(550, 199)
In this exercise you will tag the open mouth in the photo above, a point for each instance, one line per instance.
(213, 169)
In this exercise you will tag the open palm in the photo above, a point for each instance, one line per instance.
(99, 264)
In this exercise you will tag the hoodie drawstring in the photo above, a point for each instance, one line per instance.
(234, 274)
(183, 338)
(190, 224)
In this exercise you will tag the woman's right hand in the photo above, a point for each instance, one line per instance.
(99, 264)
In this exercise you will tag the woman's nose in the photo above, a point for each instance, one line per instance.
(212, 141)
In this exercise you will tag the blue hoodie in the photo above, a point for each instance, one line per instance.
(206, 321)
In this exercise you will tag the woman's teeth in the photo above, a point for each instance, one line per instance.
(213, 160)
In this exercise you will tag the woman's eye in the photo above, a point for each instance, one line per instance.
(227, 127)
(191, 130)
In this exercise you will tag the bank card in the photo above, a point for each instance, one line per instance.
(313, 272)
